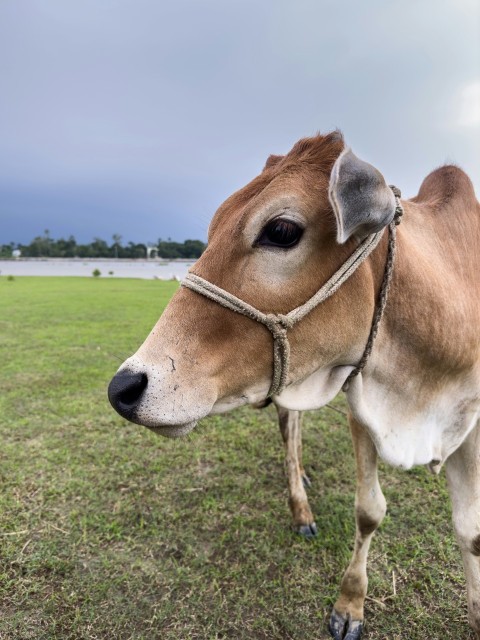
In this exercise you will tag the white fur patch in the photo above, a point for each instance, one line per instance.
(406, 435)
(315, 391)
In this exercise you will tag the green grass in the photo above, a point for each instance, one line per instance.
(107, 531)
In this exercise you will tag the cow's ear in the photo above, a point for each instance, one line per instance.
(362, 201)
(272, 161)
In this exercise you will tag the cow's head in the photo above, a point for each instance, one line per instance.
(271, 244)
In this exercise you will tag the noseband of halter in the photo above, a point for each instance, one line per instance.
(278, 323)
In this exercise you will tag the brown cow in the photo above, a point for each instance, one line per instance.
(272, 245)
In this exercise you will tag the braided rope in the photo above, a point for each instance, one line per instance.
(278, 324)
(352, 263)
(384, 288)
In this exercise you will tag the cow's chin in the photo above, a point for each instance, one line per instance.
(173, 431)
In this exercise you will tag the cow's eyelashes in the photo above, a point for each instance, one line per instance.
(280, 233)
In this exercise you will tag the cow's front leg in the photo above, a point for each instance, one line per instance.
(346, 621)
(291, 429)
(463, 476)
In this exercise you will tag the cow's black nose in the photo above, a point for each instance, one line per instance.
(125, 391)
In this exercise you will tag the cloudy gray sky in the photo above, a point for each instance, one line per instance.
(139, 117)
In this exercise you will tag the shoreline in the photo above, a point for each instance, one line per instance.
(155, 269)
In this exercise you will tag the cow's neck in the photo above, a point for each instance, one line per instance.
(418, 396)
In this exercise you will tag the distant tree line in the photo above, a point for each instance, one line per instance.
(46, 247)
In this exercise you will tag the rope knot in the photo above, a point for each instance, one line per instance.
(279, 324)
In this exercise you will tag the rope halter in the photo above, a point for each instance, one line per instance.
(278, 324)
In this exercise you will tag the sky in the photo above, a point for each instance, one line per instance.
(139, 117)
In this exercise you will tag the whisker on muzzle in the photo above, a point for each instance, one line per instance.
(121, 358)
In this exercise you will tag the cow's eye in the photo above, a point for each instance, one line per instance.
(280, 233)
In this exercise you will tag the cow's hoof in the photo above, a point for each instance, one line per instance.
(344, 628)
(307, 483)
(307, 530)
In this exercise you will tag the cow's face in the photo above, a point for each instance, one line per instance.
(272, 244)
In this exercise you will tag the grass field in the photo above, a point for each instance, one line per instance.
(107, 531)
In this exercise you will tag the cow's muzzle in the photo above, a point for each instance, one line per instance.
(140, 397)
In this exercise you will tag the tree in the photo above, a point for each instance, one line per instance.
(193, 248)
(6, 250)
(117, 239)
(99, 248)
(45, 246)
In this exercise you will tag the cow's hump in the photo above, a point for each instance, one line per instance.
(446, 186)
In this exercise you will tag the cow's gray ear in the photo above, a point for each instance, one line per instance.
(362, 201)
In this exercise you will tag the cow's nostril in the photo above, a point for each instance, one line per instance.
(125, 391)
(132, 387)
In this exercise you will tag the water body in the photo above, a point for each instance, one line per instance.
(145, 269)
